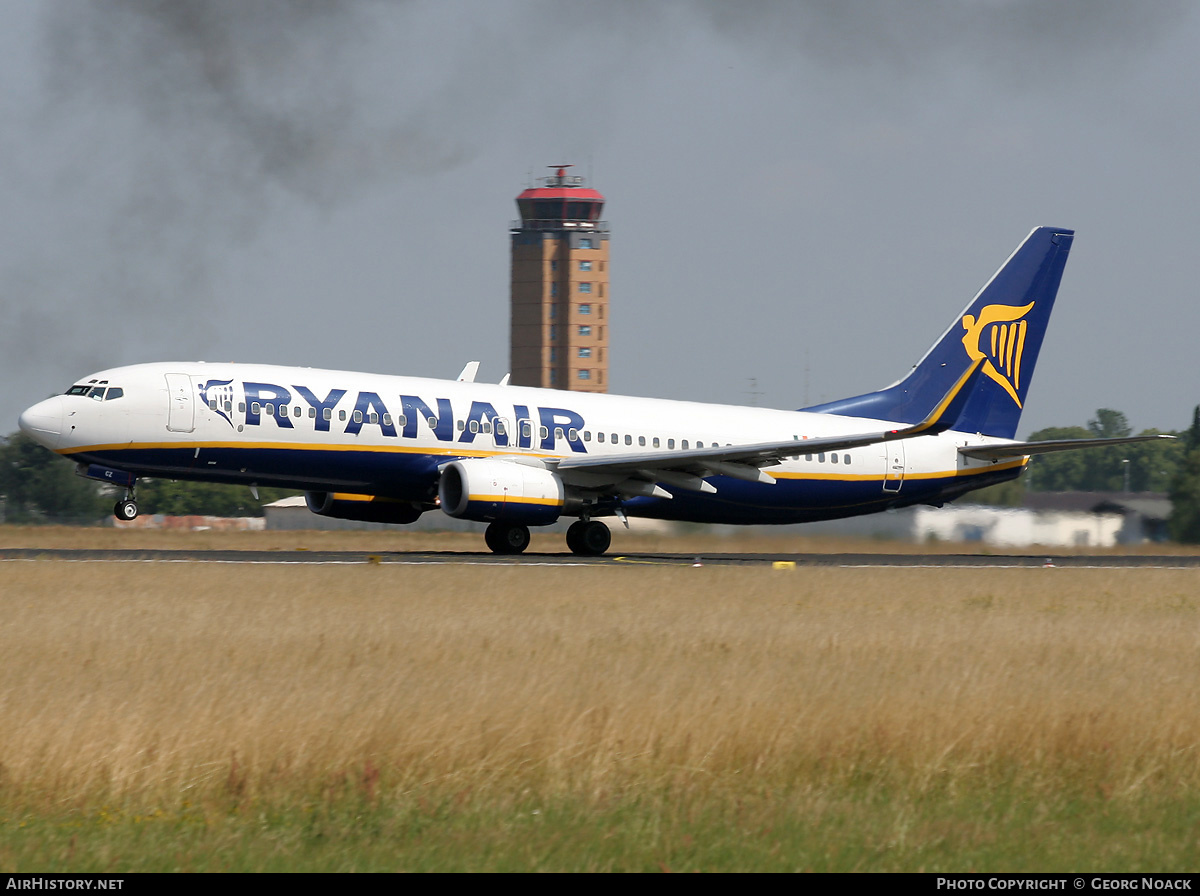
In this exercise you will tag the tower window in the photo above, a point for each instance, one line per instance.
(585, 352)
(585, 309)
(585, 265)
(585, 243)
(584, 330)
(585, 287)
(585, 374)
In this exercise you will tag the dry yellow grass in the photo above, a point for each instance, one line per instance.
(170, 681)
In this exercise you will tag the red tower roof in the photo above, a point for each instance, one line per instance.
(561, 202)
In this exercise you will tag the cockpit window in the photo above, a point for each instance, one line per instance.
(97, 392)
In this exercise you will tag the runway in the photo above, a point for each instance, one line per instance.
(452, 558)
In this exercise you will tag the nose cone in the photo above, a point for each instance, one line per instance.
(44, 422)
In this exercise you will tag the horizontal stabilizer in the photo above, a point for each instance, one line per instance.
(1026, 449)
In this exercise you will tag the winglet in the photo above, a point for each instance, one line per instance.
(468, 372)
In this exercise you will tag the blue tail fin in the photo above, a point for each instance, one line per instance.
(1003, 326)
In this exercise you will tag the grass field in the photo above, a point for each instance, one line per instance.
(380, 717)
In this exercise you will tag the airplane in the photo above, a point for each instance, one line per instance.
(390, 448)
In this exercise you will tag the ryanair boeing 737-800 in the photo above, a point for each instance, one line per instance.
(389, 448)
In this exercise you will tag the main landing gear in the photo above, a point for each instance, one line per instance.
(588, 538)
(506, 538)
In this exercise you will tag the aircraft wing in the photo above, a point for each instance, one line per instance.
(688, 468)
(1025, 449)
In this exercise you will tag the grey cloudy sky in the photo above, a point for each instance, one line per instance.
(801, 193)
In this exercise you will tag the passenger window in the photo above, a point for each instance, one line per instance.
(821, 458)
(387, 419)
(297, 411)
(402, 420)
(699, 444)
(599, 437)
(487, 426)
(474, 427)
(684, 444)
(228, 405)
(846, 458)
(357, 417)
(572, 435)
(312, 414)
(255, 408)
(656, 441)
(671, 443)
(242, 407)
(212, 404)
(642, 441)
(543, 433)
(326, 414)
(587, 435)
(342, 416)
(808, 457)
(373, 418)
(269, 410)
(462, 424)
(833, 458)
(526, 429)
(629, 440)
(432, 421)
(613, 438)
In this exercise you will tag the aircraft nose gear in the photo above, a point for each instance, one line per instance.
(506, 538)
(588, 538)
(126, 509)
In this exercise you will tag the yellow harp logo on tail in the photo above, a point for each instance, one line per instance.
(998, 337)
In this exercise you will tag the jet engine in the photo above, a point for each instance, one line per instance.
(366, 508)
(491, 490)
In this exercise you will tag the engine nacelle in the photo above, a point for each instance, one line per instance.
(366, 508)
(488, 490)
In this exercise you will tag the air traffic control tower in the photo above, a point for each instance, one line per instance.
(559, 319)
